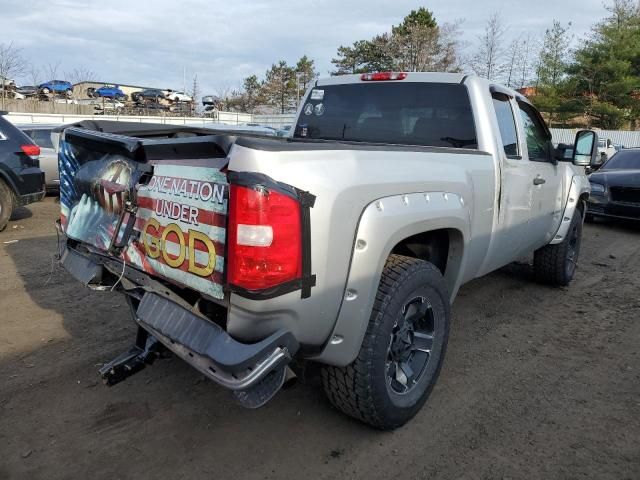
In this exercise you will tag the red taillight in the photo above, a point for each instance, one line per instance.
(372, 77)
(32, 150)
(265, 238)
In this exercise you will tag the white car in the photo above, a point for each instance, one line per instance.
(6, 82)
(179, 97)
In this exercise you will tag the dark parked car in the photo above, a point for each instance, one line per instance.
(152, 106)
(148, 94)
(21, 180)
(27, 90)
(615, 187)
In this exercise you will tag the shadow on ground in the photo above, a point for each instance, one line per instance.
(532, 387)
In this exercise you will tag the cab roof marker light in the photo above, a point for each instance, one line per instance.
(380, 76)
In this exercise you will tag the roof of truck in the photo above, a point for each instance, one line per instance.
(438, 77)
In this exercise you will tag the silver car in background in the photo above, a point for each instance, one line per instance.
(41, 135)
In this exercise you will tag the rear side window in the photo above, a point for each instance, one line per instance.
(395, 112)
(42, 138)
(506, 124)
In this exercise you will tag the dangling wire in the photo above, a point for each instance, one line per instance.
(124, 266)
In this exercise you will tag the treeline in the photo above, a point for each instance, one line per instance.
(596, 84)
(281, 88)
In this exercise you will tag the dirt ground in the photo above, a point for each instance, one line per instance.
(538, 383)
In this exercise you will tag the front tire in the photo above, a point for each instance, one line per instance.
(556, 264)
(402, 350)
(6, 204)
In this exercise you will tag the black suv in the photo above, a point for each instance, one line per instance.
(21, 180)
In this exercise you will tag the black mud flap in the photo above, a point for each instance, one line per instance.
(82, 268)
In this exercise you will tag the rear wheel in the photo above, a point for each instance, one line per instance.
(402, 351)
(556, 264)
(6, 204)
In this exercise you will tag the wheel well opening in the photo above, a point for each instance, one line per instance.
(582, 203)
(432, 246)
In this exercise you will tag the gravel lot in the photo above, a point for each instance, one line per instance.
(538, 383)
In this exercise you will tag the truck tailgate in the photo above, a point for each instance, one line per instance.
(164, 216)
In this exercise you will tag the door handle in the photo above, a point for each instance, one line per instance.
(539, 181)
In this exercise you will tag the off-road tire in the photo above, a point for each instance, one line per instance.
(360, 389)
(554, 264)
(7, 202)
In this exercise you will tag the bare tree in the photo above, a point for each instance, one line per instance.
(511, 66)
(450, 46)
(79, 75)
(51, 69)
(34, 75)
(487, 61)
(526, 62)
(11, 64)
(226, 93)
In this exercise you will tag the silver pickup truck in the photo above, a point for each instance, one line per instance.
(344, 244)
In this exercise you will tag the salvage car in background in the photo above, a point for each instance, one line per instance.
(41, 135)
(27, 90)
(56, 86)
(21, 180)
(178, 97)
(615, 187)
(110, 92)
(148, 94)
(6, 82)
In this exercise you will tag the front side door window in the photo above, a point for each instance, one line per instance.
(536, 136)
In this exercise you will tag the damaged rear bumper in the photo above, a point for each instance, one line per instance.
(199, 341)
(208, 348)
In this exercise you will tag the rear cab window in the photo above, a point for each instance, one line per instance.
(396, 112)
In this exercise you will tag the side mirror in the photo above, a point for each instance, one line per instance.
(585, 148)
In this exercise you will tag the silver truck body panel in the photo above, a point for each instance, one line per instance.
(340, 203)
(401, 216)
(379, 195)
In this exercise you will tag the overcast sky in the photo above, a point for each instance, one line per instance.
(150, 42)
